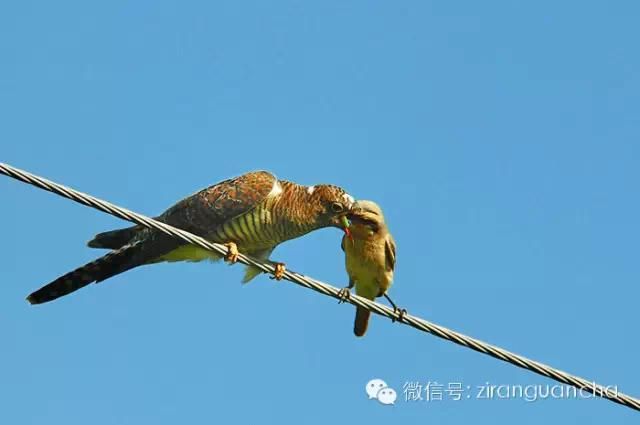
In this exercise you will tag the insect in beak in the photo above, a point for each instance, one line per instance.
(346, 224)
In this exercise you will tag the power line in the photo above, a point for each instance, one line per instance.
(323, 288)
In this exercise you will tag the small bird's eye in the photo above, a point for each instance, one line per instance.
(337, 207)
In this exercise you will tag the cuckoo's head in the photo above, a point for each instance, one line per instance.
(331, 205)
(366, 217)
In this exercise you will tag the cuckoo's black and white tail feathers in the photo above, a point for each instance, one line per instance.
(100, 269)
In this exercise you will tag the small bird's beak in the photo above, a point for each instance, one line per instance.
(345, 226)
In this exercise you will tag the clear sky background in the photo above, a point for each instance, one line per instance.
(501, 139)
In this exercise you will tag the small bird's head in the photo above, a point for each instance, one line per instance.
(333, 205)
(366, 217)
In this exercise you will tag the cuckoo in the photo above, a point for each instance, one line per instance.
(251, 213)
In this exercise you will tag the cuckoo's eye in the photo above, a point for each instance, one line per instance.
(337, 207)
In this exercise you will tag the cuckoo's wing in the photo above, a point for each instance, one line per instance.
(201, 212)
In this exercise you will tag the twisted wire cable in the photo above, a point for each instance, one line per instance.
(323, 288)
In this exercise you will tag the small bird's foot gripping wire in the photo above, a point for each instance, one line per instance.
(344, 294)
(232, 253)
(401, 312)
(278, 273)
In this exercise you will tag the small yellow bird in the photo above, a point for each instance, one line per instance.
(370, 258)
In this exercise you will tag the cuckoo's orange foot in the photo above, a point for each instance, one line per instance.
(232, 253)
(278, 273)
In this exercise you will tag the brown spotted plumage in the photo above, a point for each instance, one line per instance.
(254, 212)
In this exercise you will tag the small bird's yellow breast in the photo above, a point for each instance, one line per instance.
(365, 264)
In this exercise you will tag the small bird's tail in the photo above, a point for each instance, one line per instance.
(362, 321)
(114, 239)
(100, 269)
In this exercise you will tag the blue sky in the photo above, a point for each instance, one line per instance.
(501, 139)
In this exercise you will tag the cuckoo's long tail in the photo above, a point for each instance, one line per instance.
(98, 270)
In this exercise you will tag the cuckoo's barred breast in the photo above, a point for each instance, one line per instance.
(260, 228)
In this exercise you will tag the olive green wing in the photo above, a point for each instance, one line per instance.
(390, 253)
